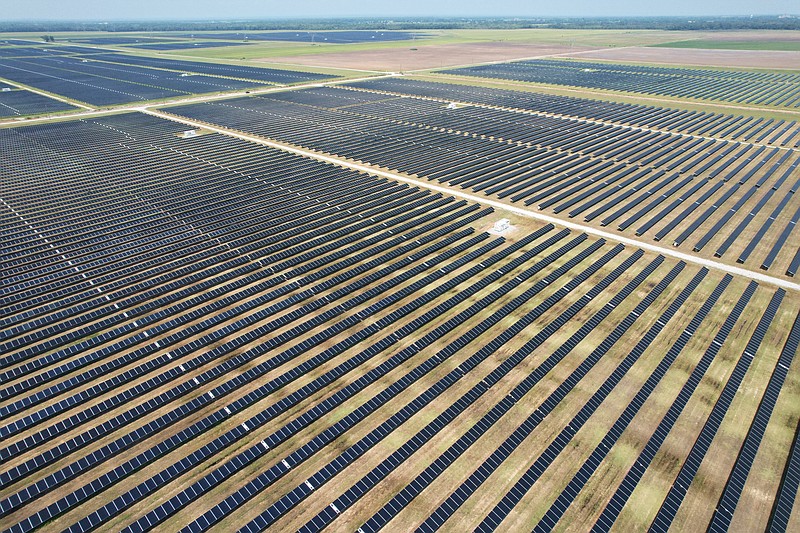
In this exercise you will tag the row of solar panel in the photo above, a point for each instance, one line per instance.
(341, 219)
(561, 441)
(259, 420)
(367, 482)
(110, 78)
(266, 74)
(625, 489)
(268, 477)
(284, 201)
(435, 154)
(17, 103)
(344, 36)
(469, 486)
(482, 173)
(416, 286)
(667, 70)
(732, 86)
(103, 84)
(237, 361)
(485, 171)
(208, 311)
(161, 344)
(734, 487)
(184, 45)
(478, 167)
(142, 388)
(692, 122)
(612, 436)
(453, 502)
(215, 231)
(164, 194)
(52, 481)
(674, 498)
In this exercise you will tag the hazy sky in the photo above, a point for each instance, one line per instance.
(265, 9)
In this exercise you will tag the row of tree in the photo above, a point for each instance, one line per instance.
(629, 23)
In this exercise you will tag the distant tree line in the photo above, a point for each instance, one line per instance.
(774, 22)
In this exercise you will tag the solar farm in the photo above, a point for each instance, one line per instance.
(255, 296)
(768, 88)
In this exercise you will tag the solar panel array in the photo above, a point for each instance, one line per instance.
(100, 83)
(646, 183)
(43, 50)
(19, 102)
(203, 332)
(749, 87)
(270, 75)
(31, 51)
(198, 331)
(737, 127)
(100, 78)
(101, 40)
(186, 45)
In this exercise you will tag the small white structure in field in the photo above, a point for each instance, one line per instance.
(452, 105)
(188, 134)
(501, 226)
(6, 89)
(185, 74)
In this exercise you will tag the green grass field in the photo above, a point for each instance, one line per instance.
(588, 38)
(711, 44)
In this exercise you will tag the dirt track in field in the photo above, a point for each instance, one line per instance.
(425, 57)
(697, 56)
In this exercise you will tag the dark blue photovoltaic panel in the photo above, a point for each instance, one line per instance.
(184, 45)
(647, 183)
(116, 40)
(270, 75)
(765, 88)
(30, 51)
(19, 102)
(366, 244)
(101, 83)
(699, 123)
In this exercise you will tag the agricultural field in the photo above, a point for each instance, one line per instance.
(358, 300)
(722, 44)
(700, 57)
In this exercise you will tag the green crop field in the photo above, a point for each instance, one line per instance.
(711, 44)
(587, 38)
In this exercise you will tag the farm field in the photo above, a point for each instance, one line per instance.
(350, 300)
(427, 56)
(792, 45)
(332, 37)
(755, 58)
